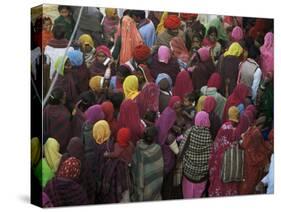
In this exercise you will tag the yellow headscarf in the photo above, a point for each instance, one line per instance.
(51, 152)
(200, 103)
(160, 26)
(234, 50)
(101, 131)
(86, 39)
(35, 151)
(95, 83)
(233, 114)
(130, 87)
(110, 12)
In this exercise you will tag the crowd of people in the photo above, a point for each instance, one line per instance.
(145, 105)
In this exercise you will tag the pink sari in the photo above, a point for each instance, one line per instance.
(267, 54)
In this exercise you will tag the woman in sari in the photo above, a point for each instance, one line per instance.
(48, 165)
(239, 95)
(212, 89)
(110, 25)
(75, 149)
(64, 190)
(164, 125)
(195, 157)
(228, 67)
(183, 84)
(66, 81)
(129, 117)
(179, 50)
(56, 119)
(93, 114)
(130, 87)
(229, 133)
(209, 107)
(98, 68)
(203, 69)
(211, 41)
(88, 49)
(164, 83)
(164, 62)
(267, 54)
(148, 99)
(102, 142)
(108, 110)
(129, 37)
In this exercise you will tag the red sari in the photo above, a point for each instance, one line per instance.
(226, 136)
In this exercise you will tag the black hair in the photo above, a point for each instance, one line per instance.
(190, 96)
(61, 7)
(88, 98)
(59, 31)
(127, 12)
(116, 99)
(149, 134)
(56, 96)
(150, 116)
(124, 70)
(138, 13)
(211, 30)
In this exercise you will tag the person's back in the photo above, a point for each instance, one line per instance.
(147, 169)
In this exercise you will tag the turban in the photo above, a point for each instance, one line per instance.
(172, 22)
(141, 53)
(188, 16)
(75, 57)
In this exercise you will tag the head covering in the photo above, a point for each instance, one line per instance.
(46, 202)
(148, 99)
(172, 22)
(234, 50)
(94, 114)
(164, 76)
(204, 54)
(200, 103)
(60, 63)
(233, 114)
(35, 150)
(237, 97)
(75, 148)
(108, 110)
(51, 152)
(215, 81)
(173, 100)
(237, 34)
(160, 28)
(70, 168)
(178, 49)
(141, 53)
(164, 123)
(267, 53)
(131, 86)
(104, 49)
(101, 132)
(183, 84)
(95, 83)
(209, 104)
(43, 172)
(75, 57)
(188, 16)
(202, 119)
(110, 12)
(164, 54)
(86, 39)
(123, 137)
(129, 117)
